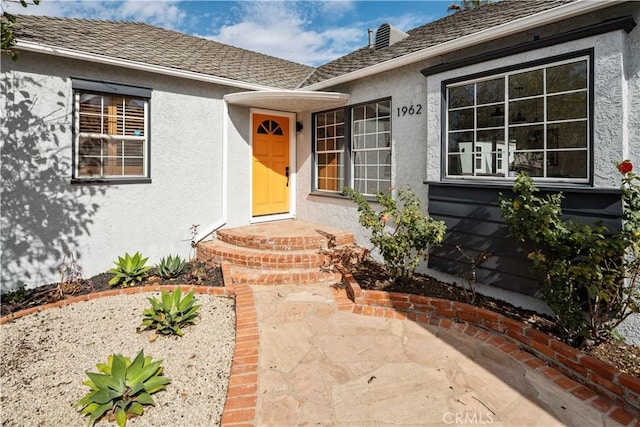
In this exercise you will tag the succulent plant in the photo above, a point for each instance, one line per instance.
(122, 387)
(169, 314)
(129, 269)
(170, 267)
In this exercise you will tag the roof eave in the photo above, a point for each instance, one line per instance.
(566, 11)
(296, 101)
(135, 65)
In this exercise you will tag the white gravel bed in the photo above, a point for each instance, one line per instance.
(44, 357)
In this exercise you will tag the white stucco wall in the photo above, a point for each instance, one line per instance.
(239, 168)
(630, 328)
(632, 75)
(417, 146)
(406, 87)
(616, 118)
(611, 99)
(44, 217)
(416, 140)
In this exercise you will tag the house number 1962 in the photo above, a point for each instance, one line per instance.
(410, 110)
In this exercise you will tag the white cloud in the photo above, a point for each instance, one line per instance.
(47, 8)
(309, 32)
(167, 14)
(407, 21)
(337, 8)
(285, 30)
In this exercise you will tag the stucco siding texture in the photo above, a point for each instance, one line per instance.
(240, 158)
(45, 217)
(417, 143)
(611, 99)
(632, 74)
(405, 87)
(613, 140)
(139, 42)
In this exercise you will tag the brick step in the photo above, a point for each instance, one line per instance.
(279, 252)
(222, 252)
(291, 235)
(251, 276)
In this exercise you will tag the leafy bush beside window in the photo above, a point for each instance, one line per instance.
(590, 276)
(401, 231)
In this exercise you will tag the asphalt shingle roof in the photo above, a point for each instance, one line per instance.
(443, 30)
(145, 43)
(148, 44)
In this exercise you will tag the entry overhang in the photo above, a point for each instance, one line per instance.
(295, 101)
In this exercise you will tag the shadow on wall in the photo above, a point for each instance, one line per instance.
(43, 216)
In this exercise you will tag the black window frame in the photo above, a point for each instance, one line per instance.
(106, 88)
(548, 61)
(348, 151)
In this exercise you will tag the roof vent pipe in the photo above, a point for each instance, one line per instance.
(370, 46)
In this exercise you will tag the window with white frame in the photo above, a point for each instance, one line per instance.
(371, 147)
(534, 119)
(329, 150)
(352, 147)
(111, 135)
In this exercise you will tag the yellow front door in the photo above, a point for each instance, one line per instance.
(270, 165)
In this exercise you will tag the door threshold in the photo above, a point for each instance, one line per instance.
(267, 218)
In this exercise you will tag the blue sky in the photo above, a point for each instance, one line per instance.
(309, 32)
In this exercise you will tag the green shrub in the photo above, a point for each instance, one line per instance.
(169, 314)
(122, 387)
(170, 267)
(129, 269)
(401, 232)
(589, 275)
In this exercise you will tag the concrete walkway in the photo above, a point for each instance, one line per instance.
(321, 366)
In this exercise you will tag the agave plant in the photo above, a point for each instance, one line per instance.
(170, 267)
(169, 314)
(122, 388)
(129, 269)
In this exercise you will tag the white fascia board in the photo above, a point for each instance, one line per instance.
(141, 66)
(285, 94)
(296, 101)
(566, 11)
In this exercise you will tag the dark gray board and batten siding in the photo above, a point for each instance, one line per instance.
(474, 223)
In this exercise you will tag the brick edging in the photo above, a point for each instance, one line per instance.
(208, 290)
(242, 392)
(239, 408)
(226, 290)
(612, 392)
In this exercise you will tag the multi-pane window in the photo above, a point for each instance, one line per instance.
(371, 138)
(329, 153)
(111, 136)
(352, 147)
(536, 120)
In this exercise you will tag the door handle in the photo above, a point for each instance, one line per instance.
(286, 173)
